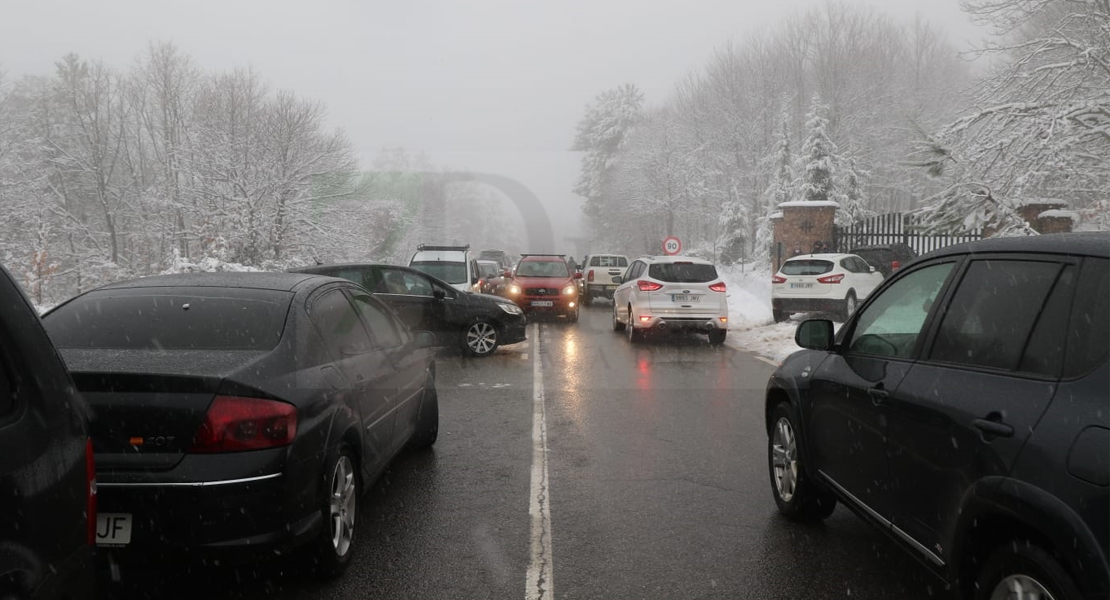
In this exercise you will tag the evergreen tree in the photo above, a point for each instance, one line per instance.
(601, 134)
(819, 152)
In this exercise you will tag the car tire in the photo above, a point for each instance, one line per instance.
(333, 549)
(617, 325)
(797, 496)
(780, 316)
(717, 336)
(480, 338)
(634, 335)
(1023, 566)
(427, 424)
(572, 316)
(850, 305)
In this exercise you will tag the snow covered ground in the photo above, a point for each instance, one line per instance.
(751, 326)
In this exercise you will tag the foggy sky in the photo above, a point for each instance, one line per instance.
(494, 85)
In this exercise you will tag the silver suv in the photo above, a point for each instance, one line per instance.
(670, 292)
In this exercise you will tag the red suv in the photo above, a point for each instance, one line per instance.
(545, 283)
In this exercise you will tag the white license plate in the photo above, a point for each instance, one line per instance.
(542, 303)
(801, 286)
(113, 529)
(684, 298)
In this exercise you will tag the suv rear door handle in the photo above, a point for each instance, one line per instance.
(878, 395)
(993, 427)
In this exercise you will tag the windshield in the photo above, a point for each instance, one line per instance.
(451, 272)
(542, 268)
(640, 212)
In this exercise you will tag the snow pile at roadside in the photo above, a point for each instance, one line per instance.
(751, 325)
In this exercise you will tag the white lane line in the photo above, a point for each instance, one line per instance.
(539, 584)
(768, 361)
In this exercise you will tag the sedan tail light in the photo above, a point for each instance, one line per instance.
(718, 287)
(831, 278)
(234, 423)
(90, 503)
(778, 279)
(590, 277)
(648, 286)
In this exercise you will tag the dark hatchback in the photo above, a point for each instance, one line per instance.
(47, 478)
(886, 258)
(963, 410)
(476, 323)
(240, 414)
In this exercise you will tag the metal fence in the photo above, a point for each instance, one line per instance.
(894, 228)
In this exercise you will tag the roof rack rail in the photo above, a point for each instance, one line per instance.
(423, 247)
(562, 255)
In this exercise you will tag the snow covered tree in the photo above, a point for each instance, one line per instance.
(819, 154)
(601, 135)
(782, 189)
(1039, 126)
(851, 194)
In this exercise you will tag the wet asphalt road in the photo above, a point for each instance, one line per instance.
(657, 488)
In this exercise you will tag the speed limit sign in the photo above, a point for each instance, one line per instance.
(672, 245)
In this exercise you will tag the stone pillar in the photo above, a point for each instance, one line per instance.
(1044, 216)
(805, 227)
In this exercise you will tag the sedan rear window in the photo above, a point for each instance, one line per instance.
(682, 272)
(171, 319)
(806, 267)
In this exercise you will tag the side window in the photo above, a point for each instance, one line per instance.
(993, 312)
(405, 283)
(862, 266)
(339, 325)
(1089, 329)
(892, 323)
(638, 269)
(849, 264)
(383, 328)
(1045, 351)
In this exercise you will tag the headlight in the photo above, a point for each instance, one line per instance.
(570, 289)
(512, 309)
(514, 289)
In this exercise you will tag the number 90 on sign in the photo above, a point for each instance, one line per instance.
(672, 245)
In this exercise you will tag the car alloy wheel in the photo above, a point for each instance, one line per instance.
(850, 304)
(481, 338)
(634, 335)
(784, 457)
(1020, 586)
(617, 325)
(342, 505)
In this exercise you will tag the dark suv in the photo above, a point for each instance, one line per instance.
(47, 485)
(963, 410)
(886, 258)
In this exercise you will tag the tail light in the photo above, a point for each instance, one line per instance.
(590, 276)
(234, 424)
(648, 286)
(90, 503)
(778, 279)
(718, 287)
(831, 278)
(895, 265)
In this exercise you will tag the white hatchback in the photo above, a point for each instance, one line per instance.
(671, 292)
(822, 283)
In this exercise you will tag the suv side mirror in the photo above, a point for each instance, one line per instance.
(507, 274)
(439, 294)
(578, 275)
(618, 280)
(424, 339)
(814, 334)
(474, 280)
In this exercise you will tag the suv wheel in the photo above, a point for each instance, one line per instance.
(717, 336)
(332, 550)
(617, 325)
(1022, 569)
(798, 498)
(779, 315)
(634, 335)
(572, 316)
(850, 304)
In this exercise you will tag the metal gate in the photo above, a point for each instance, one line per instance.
(894, 228)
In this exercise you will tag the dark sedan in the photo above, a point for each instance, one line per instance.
(477, 323)
(242, 413)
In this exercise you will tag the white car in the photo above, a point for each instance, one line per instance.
(599, 273)
(452, 264)
(660, 293)
(822, 283)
